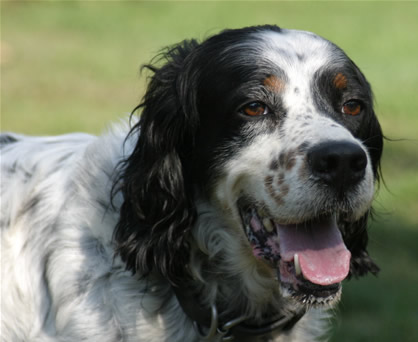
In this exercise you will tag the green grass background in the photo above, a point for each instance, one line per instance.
(74, 66)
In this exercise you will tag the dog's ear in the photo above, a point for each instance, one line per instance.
(355, 234)
(158, 212)
(356, 239)
(372, 137)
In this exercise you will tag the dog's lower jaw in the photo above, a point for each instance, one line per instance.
(307, 300)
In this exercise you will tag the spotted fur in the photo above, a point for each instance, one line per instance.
(97, 230)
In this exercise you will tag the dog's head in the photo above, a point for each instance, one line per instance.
(275, 131)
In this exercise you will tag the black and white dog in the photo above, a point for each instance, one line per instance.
(232, 209)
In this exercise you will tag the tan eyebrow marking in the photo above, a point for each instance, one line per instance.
(340, 81)
(274, 83)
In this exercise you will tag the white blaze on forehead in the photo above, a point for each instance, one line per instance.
(300, 51)
(299, 54)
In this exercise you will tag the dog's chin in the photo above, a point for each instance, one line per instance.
(309, 257)
(309, 294)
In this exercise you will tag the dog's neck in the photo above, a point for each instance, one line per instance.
(230, 286)
(214, 322)
(225, 272)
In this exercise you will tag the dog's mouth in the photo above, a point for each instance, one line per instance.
(310, 257)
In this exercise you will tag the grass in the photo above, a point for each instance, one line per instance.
(74, 66)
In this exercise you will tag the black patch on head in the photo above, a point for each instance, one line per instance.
(233, 76)
(330, 99)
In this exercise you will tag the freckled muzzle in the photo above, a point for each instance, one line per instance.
(310, 257)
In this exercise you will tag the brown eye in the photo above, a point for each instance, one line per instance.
(255, 109)
(352, 107)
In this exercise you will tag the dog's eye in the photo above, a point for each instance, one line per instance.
(255, 109)
(352, 107)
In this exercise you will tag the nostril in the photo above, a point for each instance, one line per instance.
(358, 161)
(338, 164)
(325, 163)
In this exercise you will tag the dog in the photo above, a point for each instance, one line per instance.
(232, 209)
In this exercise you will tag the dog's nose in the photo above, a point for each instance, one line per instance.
(339, 164)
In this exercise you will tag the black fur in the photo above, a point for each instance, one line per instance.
(158, 210)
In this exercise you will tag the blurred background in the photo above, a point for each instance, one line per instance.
(74, 66)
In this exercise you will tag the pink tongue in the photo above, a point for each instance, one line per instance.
(323, 257)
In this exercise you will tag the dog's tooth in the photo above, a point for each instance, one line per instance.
(268, 225)
(261, 213)
(298, 271)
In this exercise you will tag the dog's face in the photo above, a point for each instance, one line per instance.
(279, 135)
(283, 124)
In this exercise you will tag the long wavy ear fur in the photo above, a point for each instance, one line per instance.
(356, 239)
(158, 211)
(355, 234)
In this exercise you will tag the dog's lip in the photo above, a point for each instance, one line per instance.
(313, 295)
